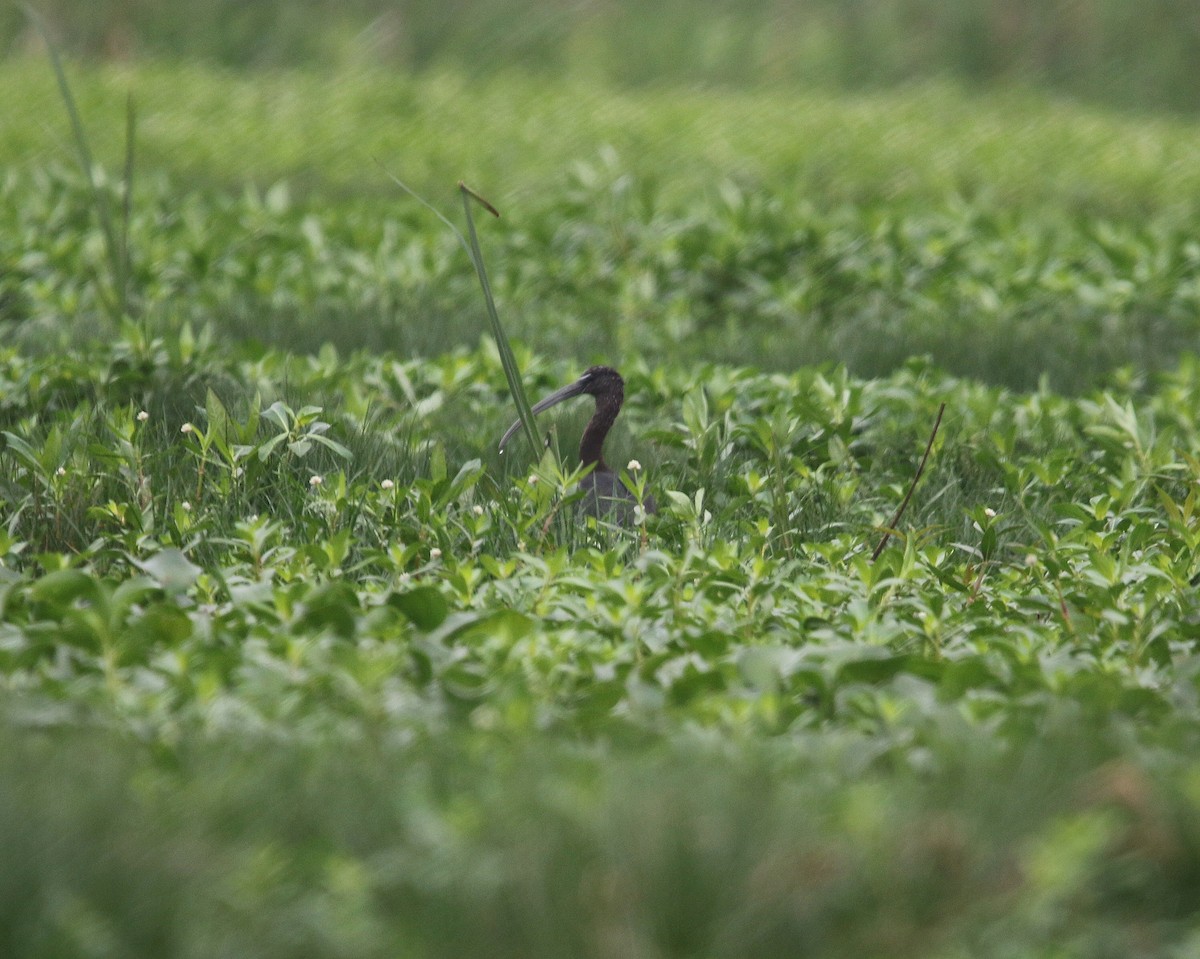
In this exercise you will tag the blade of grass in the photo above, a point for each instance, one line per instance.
(116, 299)
(126, 207)
(507, 360)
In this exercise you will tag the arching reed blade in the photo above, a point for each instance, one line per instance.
(507, 360)
(116, 245)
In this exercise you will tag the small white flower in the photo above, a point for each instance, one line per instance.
(143, 416)
(186, 506)
(387, 484)
(61, 471)
(533, 480)
(633, 466)
(187, 428)
(477, 510)
(315, 481)
(989, 512)
(1031, 559)
(435, 553)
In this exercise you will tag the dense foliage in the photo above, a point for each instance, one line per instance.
(186, 552)
(1008, 243)
(294, 662)
(179, 525)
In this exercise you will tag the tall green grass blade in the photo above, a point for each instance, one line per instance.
(524, 411)
(115, 300)
(507, 360)
(122, 278)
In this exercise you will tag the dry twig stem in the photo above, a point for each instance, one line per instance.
(891, 527)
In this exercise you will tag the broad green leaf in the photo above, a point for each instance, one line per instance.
(64, 587)
(332, 605)
(424, 606)
(171, 569)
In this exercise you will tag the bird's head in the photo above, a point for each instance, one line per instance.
(598, 381)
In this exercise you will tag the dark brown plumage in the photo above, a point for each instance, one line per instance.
(606, 497)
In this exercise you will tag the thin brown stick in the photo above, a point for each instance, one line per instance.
(478, 199)
(891, 527)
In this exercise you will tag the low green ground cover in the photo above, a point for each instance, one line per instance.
(1007, 239)
(341, 578)
(293, 661)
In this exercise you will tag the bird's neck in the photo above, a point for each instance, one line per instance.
(591, 446)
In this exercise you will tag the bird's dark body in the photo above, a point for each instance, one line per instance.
(607, 498)
(605, 495)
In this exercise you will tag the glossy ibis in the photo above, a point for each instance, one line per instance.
(606, 497)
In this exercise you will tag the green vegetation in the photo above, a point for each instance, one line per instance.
(610, 734)
(294, 662)
(1007, 240)
(1139, 55)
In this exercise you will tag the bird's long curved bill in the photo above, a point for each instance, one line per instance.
(565, 393)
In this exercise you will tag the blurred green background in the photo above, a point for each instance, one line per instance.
(1142, 55)
(1008, 188)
